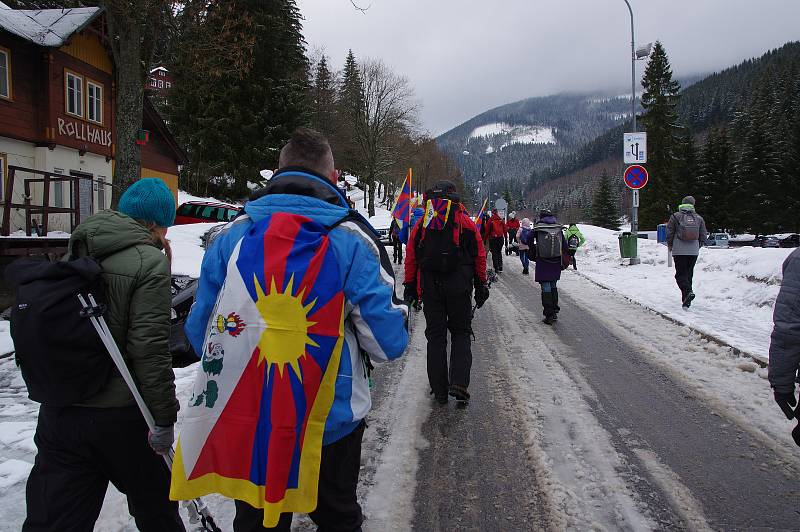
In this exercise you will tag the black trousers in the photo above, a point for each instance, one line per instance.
(572, 258)
(447, 305)
(496, 247)
(337, 505)
(512, 236)
(684, 272)
(398, 251)
(81, 450)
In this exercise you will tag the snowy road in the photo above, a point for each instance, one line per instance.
(585, 426)
(614, 419)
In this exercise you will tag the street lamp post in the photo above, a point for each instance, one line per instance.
(635, 203)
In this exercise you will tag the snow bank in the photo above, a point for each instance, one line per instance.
(736, 287)
(184, 196)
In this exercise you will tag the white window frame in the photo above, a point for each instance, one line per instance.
(101, 193)
(97, 105)
(161, 84)
(79, 100)
(58, 189)
(5, 52)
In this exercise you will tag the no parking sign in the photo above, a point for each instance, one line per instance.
(636, 176)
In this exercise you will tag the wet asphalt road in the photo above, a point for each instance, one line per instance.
(475, 473)
(475, 476)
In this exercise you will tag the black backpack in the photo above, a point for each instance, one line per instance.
(62, 359)
(437, 250)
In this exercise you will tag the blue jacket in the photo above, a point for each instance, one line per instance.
(375, 321)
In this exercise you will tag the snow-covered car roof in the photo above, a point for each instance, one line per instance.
(46, 27)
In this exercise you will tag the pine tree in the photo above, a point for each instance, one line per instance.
(659, 100)
(605, 212)
(238, 95)
(686, 168)
(350, 118)
(323, 99)
(717, 192)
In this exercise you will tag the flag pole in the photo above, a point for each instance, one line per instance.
(410, 195)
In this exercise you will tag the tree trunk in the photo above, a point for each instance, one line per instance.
(371, 204)
(129, 101)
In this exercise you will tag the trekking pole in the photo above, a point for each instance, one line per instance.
(198, 510)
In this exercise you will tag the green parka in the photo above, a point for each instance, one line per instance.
(137, 280)
(573, 230)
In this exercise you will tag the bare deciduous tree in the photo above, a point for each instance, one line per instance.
(390, 114)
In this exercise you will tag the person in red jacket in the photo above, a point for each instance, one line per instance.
(443, 264)
(512, 228)
(497, 235)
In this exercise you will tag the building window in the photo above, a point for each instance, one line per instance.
(101, 193)
(94, 102)
(74, 85)
(57, 188)
(161, 84)
(167, 84)
(160, 72)
(5, 73)
(3, 173)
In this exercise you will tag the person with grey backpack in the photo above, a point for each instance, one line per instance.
(686, 234)
(547, 247)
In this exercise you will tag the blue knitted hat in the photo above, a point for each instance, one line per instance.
(149, 200)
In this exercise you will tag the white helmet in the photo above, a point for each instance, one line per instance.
(512, 215)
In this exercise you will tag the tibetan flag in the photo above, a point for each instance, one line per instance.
(479, 218)
(254, 424)
(402, 206)
(437, 211)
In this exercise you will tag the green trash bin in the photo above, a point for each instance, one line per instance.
(627, 245)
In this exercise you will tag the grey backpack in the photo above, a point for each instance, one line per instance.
(688, 226)
(549, 240)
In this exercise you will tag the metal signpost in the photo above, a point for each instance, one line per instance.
(635, 178)
(635, 148)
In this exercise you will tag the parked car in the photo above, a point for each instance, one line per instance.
(384, 235)
(791, 241)
(718, 240)
(770, 242)
(195, 212)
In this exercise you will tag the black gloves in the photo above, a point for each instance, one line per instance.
(787, 402)
(410, 295)
(481, 293)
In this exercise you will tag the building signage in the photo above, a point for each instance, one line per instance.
(84, 132)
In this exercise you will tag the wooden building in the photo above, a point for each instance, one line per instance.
(57, 117)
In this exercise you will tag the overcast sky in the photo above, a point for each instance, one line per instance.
(466, 56)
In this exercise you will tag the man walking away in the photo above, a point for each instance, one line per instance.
(445, 259)
(784, 348)
(497, 234)
(512, 228)
(397, 244)
(548, 246)
(575, 240)
(686, 233)
(292, 297)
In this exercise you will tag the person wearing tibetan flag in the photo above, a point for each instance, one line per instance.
(292, 295)
(445, 259)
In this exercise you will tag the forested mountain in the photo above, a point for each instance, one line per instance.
(736, 146)
(510, 141)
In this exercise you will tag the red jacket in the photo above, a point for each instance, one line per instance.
(463, 224)
(512, 225)
(496, 227)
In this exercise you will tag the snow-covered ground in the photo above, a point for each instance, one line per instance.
(736, 287)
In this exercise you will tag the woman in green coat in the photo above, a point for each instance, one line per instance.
(83, 447)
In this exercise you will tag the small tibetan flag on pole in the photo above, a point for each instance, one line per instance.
(402, 207)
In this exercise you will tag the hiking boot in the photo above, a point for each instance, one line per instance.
(441, 397)
(524, 271)
(549, 320)
(687, 299)
(555, 317)
(460, 393)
